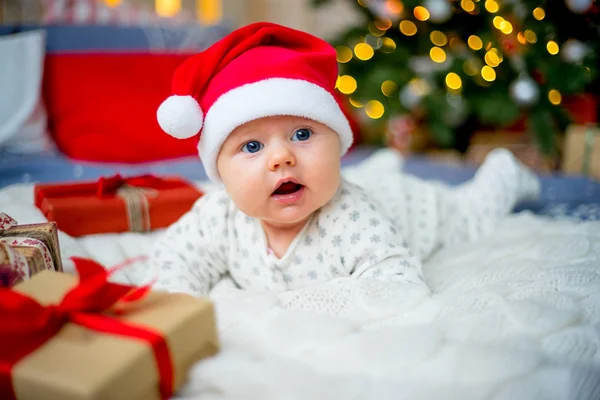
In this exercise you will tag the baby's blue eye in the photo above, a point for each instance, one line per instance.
(302, 134)
(252, 147)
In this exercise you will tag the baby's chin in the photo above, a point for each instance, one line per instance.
(288, 217)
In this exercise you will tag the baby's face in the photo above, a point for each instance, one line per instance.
(280, 169)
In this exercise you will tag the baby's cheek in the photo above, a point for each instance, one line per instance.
(245, 196)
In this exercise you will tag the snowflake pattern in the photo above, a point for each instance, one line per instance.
(322, 232)
(308, 240)
(337, 241)
(351, 234)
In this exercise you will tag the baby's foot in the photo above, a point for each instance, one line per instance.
(386, 159)
(527, 182)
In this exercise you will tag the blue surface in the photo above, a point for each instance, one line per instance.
(109, 38)
(560, 194)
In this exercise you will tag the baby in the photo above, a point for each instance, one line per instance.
(271, 135)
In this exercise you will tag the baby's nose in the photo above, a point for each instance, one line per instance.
(281, 157)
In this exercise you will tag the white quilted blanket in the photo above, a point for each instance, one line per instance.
(516, 316)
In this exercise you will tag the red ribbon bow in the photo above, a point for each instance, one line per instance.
(108, 186)
(27, 324)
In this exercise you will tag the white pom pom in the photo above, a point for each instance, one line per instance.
(180, 116)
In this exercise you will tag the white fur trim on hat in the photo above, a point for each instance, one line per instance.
(180, 116)
(269, 97)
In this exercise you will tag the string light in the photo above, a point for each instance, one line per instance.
(437, 54)
(475, 42)
(383, 24)
(389, 88)
(554, 97)
(506, 27)
(209, 12)
(438, 38)
(552, 47)
(344, 54)
(346, 84)
(493, 57)
(408, 28)
(521, 38)
(467, 5)
(539, 13)
(374, 109)
(453, 82)
(374, 30)
(388, 45)
(363, 51)
(167, 8)
(421, 13)
(530, 36)
(394, 6)
(112, 3)
(488, 73)
(497, 21)
(491, 6)
(355, 103)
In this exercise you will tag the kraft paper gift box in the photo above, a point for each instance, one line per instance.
(581, 152)
(89, 351)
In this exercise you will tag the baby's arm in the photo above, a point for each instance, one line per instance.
(401, 265)
(385, 276)
(189, 257)
(382, 284)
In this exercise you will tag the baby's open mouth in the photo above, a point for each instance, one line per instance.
(288, 188)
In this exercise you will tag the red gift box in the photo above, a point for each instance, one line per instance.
(116, 204)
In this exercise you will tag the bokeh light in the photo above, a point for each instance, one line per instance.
(374, 109)
(344, 54)
(346, 84)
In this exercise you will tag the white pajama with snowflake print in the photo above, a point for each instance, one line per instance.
(379, 227)
(348, 237)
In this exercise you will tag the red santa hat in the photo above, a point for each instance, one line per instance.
(260, 70)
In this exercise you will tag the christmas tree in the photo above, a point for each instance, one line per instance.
(459, 64)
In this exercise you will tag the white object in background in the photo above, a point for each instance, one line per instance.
(23, 122)
(524, 91)
(440, 11)
(579, 6)
(574, 51)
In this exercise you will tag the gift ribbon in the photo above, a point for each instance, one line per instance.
(134, 192)
(6, 222)
(16, 241)
(12, 266)
(27, 324)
